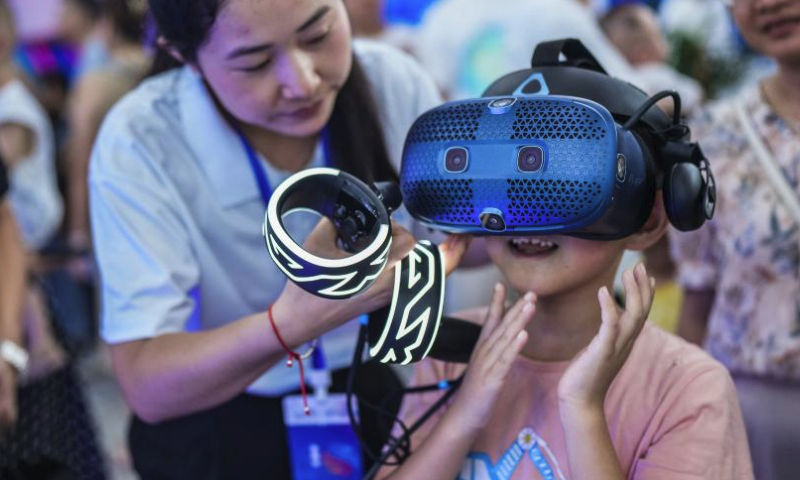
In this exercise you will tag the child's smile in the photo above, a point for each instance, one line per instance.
(532, 246)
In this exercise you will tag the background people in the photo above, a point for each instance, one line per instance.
(741, 274)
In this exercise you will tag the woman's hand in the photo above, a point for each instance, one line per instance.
(332, 313)
(501, 339)
(586, 380)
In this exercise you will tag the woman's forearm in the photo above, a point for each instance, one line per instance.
(177, 374)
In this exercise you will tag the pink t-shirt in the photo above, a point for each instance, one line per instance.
(672, 413)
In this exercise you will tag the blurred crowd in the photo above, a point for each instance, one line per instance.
(65, 63)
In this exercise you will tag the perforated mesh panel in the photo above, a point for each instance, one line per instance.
(541, 202)
(546, 119)
(459, 122)
(430, 197)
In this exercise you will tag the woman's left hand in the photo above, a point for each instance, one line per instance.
(588, 377)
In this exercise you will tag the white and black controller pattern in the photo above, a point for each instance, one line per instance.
(320, 189)
(416, 310)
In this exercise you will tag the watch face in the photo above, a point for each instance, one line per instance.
(15, 355)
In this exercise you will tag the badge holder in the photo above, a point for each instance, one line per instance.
(322, 446)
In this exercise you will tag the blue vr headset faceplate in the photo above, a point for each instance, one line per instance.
(534, 165)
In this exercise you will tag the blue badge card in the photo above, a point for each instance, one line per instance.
(322, 445)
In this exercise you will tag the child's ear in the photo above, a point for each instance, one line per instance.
(652, 230)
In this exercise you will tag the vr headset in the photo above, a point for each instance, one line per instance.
(560, 148)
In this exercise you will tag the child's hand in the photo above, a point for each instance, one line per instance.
(498, 345)
(586, 381)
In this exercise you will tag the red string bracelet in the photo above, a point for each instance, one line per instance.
(292, 356)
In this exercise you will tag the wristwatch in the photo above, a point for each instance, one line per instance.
(15, 355)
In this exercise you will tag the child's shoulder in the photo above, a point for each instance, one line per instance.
(664, 364)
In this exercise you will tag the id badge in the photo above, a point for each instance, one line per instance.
(322, 446)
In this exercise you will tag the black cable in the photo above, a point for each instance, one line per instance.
(397, 447)
(406, 437)
(647, 105)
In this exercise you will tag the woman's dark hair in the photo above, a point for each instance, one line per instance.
(91, 7)
(355, 133)
(128, 17)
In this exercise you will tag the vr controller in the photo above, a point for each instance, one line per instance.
(360, 214)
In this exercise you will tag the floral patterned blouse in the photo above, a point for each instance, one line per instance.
(749, 253)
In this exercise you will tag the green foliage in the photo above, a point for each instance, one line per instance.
(715, 72)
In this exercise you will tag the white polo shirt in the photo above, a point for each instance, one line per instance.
(176, 211)
(34, 195)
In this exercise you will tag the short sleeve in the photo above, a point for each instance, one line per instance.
(701, 434)
(142, 242)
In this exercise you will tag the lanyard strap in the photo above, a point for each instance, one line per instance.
(264, 186)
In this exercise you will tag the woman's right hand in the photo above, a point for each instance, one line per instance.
(332, 313)
(502, 337)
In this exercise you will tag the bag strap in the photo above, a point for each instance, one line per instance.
(785, 191)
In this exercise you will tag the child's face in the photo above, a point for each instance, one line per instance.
(278, 64)
(555, 265)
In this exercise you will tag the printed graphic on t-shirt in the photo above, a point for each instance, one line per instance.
(528, 447)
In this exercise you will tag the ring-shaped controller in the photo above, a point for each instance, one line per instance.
(360, 215)
(361, 220)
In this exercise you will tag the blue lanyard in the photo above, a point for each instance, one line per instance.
(258, 171)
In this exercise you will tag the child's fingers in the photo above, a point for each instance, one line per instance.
(629, 319)
(512, 325)
(507, 355)
(495, 312)
(645, 289)
(511, 314)
(606, 338)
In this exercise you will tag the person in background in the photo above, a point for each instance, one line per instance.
(250, 92)
(78, 26)
(27, 135)
(634, 29)
(13, 357)
(120, 28)
(466, 44)
(29, 153)
(741, 273)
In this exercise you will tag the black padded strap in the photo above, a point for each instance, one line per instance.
(548, 54)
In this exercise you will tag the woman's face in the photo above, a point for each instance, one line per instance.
(771, 27)
(278, 64)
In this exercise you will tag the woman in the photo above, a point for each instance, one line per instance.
(741, 272)
(176, 215)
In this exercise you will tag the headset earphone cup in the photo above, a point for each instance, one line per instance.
(685, 196)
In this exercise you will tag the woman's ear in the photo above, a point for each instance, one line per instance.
(652, 230)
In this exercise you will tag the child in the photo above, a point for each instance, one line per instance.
(567, 385)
